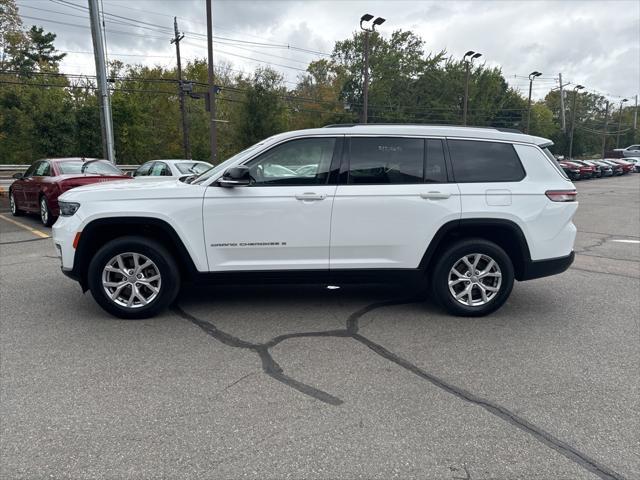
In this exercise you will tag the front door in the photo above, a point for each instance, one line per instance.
(393, 197)
(282, 220)
(33, 184)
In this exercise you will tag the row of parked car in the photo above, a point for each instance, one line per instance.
(37, 190)
(608, 167)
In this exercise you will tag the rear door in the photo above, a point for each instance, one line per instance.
(282, 220)
(393, 196)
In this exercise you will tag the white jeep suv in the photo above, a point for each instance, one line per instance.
(462, 210)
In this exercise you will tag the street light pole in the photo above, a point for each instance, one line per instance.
(532, 75)
(365, 87)
(620, 122)
(467, 62)
(573, 118)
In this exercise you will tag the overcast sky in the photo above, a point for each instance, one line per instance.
(594, 43)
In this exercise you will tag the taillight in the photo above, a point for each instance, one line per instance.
(561, 195)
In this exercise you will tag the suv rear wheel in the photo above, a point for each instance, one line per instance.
(133, 277)
(473, 277)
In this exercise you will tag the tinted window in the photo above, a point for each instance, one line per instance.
(389, 160)
(143, 170)
(100, 167)
(475, 161)
(436, 171)
(298, 162)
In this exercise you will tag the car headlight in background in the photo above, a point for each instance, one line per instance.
(68, 208)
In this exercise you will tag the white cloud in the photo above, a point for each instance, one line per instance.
(590, 42)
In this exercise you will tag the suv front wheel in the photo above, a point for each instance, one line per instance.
(133, 277)
(473, 277)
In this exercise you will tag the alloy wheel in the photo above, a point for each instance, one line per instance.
(475, 280)
(131, 280)
(12, 204)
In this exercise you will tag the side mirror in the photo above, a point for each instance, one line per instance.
(187, 178)
(18, 175)
(236, 177)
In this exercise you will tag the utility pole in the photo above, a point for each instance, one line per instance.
(467, 64)
(108, 148)
(635, 119)
(604, 132)
(532, 75)
(212, 87)
(183, 112)
(563, 120)
(573, 118)
(365, 87)
(620, 123)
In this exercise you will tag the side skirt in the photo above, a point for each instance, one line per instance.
(284, 277)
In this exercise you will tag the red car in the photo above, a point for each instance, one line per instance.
(38, 189)
(627, 167)
(586, 171)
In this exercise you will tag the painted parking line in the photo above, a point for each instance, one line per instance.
(626, 241)
(34, 231)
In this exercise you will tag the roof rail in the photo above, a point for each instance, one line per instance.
(499, 129)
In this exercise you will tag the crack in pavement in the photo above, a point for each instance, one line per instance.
(275, 371)
(14, 242)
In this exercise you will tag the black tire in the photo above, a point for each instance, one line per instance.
(13, 206)
(154, 251)
(46, 217)
(450, 257)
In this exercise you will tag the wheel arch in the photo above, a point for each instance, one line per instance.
(505, 233)
(102, 230)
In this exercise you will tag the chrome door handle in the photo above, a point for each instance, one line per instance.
(310, 196)
(435, 195)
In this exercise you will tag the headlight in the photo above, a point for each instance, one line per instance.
(67, 209)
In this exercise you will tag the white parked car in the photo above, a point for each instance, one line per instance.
(630, 151)
(464, 210)
(171, 168)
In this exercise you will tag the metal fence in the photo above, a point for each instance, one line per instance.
(7, 171)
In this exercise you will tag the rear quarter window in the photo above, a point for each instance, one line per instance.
(477, 161)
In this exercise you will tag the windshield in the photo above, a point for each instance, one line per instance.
(97, 167)
(193, 167)
(223, 166)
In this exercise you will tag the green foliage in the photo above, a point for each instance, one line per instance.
(44, 114)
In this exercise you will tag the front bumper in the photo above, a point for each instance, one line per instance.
(545, 268)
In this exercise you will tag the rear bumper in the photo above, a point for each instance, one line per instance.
(545, 268)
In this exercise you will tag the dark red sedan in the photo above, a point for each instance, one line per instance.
(38, 189)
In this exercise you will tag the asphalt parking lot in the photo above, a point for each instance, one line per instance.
(294, 382)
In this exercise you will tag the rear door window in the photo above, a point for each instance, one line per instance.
(386, 160)
(479, 161)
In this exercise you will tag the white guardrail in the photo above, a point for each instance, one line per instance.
(7, 171)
